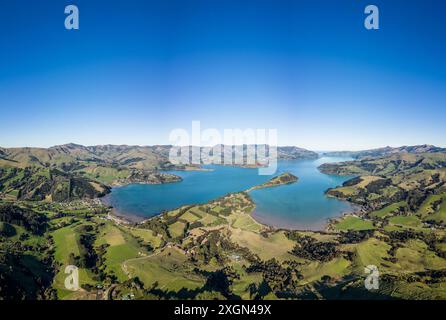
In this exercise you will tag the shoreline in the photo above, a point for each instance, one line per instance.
(115, 214)
(324, 225)
(119, 185)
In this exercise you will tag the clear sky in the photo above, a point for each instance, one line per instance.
(138, 69)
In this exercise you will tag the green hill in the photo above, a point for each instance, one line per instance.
(71, 171)
(47, 184)
(389, 179)
(130, 157)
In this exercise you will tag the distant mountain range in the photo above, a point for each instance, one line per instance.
(386, 151)
(70, 157)
(67, 155)
(132, 157)
(72, 171)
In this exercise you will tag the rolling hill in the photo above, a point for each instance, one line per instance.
(386, 151)
(131, 157)
(72, 171)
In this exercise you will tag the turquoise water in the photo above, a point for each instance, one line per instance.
(301, 205)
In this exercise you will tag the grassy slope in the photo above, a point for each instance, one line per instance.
(354, 223)
(388, 210)
(122, 246)
(168, 268)
(275, 246)
(66, 242)
(172, 268)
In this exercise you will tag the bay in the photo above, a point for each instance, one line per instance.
(302, 205)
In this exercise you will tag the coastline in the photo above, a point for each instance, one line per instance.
(118, 185)
(115, 214)
(322, 226)
(357, 211)
(192, 169)
(271, 183)
(325, 225)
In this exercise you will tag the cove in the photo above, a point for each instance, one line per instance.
(302, 205)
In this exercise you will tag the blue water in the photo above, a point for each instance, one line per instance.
(301, 205)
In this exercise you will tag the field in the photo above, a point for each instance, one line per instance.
(354, 223)
(336, 269)
(168, 269)
(407, 221)
(122, 245)
(66, 243)
(244, 222)
(388, 210)
(371, 252)
(147, 236)
(434, 208)
(276, 246)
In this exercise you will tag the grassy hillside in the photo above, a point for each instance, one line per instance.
(146, 158)
(218, 251)
(68, 155)
(68, 172)
(47, 184)
(380, 182)
(71, 171)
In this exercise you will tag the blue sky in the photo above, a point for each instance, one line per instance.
(138, 69)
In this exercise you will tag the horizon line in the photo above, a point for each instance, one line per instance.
(317, 150)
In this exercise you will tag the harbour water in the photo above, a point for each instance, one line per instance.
(301, 205)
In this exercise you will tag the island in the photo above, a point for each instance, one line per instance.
(284, 178)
